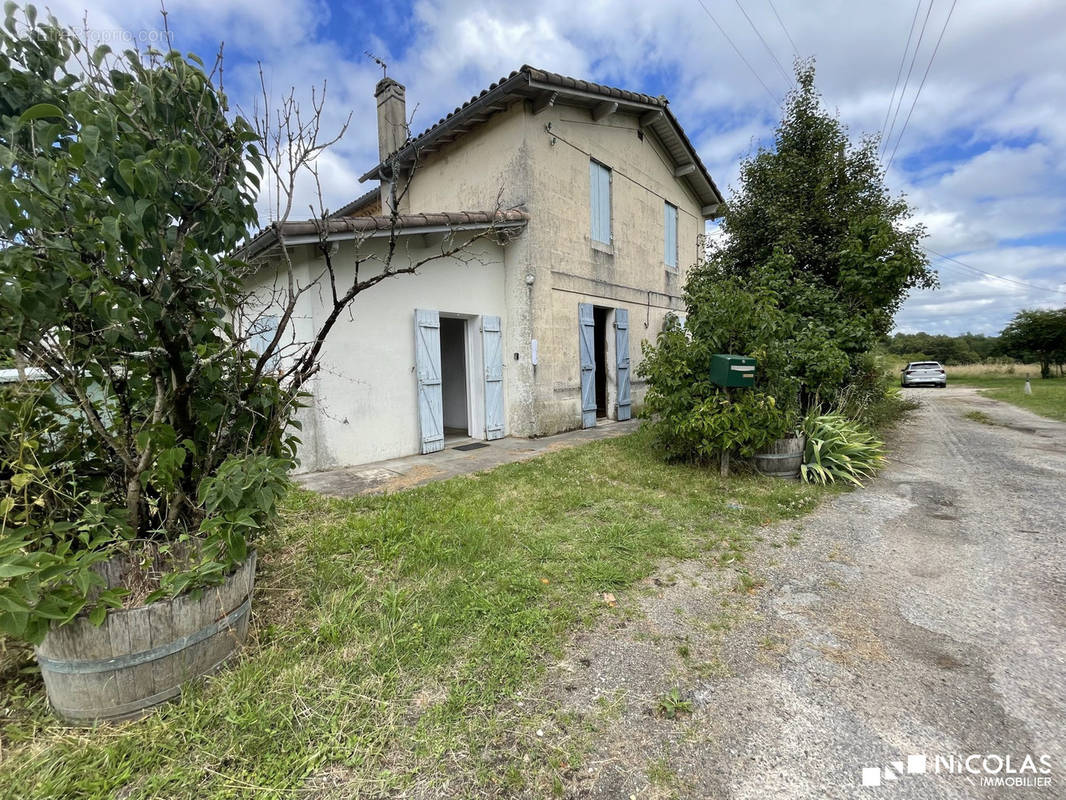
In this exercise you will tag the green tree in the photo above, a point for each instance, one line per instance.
(1037, 335)
(122, 181)
(125, 182)
(814, 221)
(814, 259)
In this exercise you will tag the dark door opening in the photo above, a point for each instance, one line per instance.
(599, 316)
(453, 376)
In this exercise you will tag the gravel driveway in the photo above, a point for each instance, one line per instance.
(921, 616)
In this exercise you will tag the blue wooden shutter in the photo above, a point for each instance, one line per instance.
(427, 366)
(492, 349)
(621, 351)
(670, 236)
(587, 341)
(600, 202)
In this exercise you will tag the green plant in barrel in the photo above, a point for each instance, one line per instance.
(123, 184)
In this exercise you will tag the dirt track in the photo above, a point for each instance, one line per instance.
(923, 615)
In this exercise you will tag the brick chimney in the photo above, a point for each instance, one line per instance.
(392, 117)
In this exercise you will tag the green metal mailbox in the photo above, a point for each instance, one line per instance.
(727, 370)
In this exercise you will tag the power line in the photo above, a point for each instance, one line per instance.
(910, 69)
(991, 274)
(964, 273)
(918, 94)
(737, 50)
(795, 50)
(781, 69)
(959, 272)
(899, 72)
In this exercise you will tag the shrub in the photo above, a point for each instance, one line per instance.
(839, 448)
(694, 420)
(813, 259)
(122, 180)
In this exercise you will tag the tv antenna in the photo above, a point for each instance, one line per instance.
(379, 62)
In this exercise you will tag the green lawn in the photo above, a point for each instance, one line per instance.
(1048, 398)
(393, 635)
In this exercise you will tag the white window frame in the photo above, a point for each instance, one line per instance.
(261, 333)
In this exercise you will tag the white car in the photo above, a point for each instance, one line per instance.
(924, 373)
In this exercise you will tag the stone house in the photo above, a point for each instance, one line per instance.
(596, 201)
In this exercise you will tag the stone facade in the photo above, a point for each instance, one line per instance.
(534, 154)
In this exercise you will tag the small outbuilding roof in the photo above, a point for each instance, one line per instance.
(369, 227)
(359, 203)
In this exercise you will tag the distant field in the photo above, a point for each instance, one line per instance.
(969, 372)
(974, 371)
(1007, 383)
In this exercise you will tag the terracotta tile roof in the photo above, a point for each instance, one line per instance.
(405, 224)
(555, 79)
(530, 83)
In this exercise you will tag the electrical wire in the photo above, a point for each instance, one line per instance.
(979, 271)
(795, 50)
(922, 84)
(737, 50)
(781, 69)
(555, 135)
(910, 69)
(967, 276)
(899, 73)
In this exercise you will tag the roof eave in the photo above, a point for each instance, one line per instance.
(528, 83)
(301, 233)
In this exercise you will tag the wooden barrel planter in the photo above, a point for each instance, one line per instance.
(783, 458)
(140, 657)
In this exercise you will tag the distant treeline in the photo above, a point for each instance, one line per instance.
(969, 348)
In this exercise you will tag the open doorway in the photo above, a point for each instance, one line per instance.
(454, 376)
(600, 333)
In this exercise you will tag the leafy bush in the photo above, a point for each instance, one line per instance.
(694, 420)
(121, 182)
(839, 448)
(813, 260)
(55, 524)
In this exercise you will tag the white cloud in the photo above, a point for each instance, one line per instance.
(981, 159)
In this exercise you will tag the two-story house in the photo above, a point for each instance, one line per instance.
(524, 334)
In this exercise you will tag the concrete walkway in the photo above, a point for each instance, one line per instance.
(382, 477)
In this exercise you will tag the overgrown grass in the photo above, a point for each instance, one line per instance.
(894, 364)
(882, 413)
(393, 635)
(1048, 398)
(965, 372)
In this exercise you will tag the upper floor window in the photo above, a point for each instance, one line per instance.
(670, 235)
(600, 202)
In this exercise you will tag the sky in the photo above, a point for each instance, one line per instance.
(977, 145)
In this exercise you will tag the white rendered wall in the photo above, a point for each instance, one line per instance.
(365, 395)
